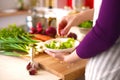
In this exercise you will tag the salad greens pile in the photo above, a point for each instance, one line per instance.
(61, 45)
(15, 38)
(86, 24)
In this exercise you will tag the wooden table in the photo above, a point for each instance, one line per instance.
(65, 71)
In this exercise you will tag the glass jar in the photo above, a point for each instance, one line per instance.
(78, 4)
(34, 18)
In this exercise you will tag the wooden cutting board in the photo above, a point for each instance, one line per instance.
(65, 71)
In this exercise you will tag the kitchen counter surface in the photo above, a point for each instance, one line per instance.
(15, 13)
(14, 68)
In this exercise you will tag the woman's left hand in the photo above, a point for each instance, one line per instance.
(60, 56)
(67, 57)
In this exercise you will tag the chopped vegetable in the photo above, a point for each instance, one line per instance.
(61, 45)
(86, 24)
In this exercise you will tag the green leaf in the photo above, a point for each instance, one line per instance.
(61, 45)
(86, 24)
(11, 54)
(14, 38)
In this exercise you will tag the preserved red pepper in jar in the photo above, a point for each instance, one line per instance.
(89, 3)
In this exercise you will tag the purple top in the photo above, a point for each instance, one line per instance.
(105, 32)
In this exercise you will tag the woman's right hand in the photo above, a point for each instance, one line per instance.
(73, 20)
(65, 24)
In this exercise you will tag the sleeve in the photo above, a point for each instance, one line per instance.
(105, 32)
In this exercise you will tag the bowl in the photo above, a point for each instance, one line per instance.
(59, 45)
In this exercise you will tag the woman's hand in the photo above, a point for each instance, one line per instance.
(56, 55)
(67, 57)
(66, 23)
(73, 20)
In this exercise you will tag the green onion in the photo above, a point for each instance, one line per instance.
(15, 38)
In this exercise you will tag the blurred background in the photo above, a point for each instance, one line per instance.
(19, 11)
(14, 4)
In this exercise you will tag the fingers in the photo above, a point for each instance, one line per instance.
(65, 30)
(64, 26)
(60, 56)
(50, 53)
(61, 26)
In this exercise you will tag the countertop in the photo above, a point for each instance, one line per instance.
(14, 68)
(15, 13)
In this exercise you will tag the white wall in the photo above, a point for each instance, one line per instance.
(18, 20)
(12, 4)
(8, 4)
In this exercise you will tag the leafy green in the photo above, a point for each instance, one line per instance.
(15, 38)
(11, 54)
(86, 24)
(61, 45)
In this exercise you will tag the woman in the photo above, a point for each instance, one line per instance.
(101, 45)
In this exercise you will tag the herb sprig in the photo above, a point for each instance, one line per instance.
(15, 38)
